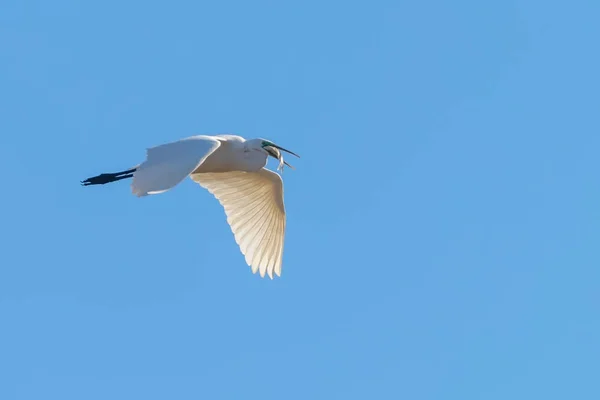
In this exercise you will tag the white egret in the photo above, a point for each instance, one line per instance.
(233, 170)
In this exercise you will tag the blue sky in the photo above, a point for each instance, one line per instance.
(443, 222)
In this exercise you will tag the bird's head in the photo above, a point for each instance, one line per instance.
(273, 150)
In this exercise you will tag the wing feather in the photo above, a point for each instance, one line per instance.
(168, 164)
(253, 203)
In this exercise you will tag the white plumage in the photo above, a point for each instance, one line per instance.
(233, 170)
(253, 202)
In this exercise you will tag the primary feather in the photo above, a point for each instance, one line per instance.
(253, 203)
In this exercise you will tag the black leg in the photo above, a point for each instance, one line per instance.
(107, 178)
(129, 171)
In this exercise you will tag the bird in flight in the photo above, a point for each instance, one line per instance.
(233, 170)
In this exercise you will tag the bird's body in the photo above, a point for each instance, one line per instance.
(233, 170)
(233, 154)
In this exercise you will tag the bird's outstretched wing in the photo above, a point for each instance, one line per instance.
(168, 164)
(253, 203)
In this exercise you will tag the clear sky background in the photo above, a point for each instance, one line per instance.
(443, 221)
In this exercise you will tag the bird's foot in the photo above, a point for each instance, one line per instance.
(107, 178)
(98, 180)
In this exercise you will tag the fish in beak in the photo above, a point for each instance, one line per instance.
(274, 152)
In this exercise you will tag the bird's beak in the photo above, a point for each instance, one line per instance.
(286, 150)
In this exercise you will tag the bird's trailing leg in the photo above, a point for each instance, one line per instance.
(107, 178)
